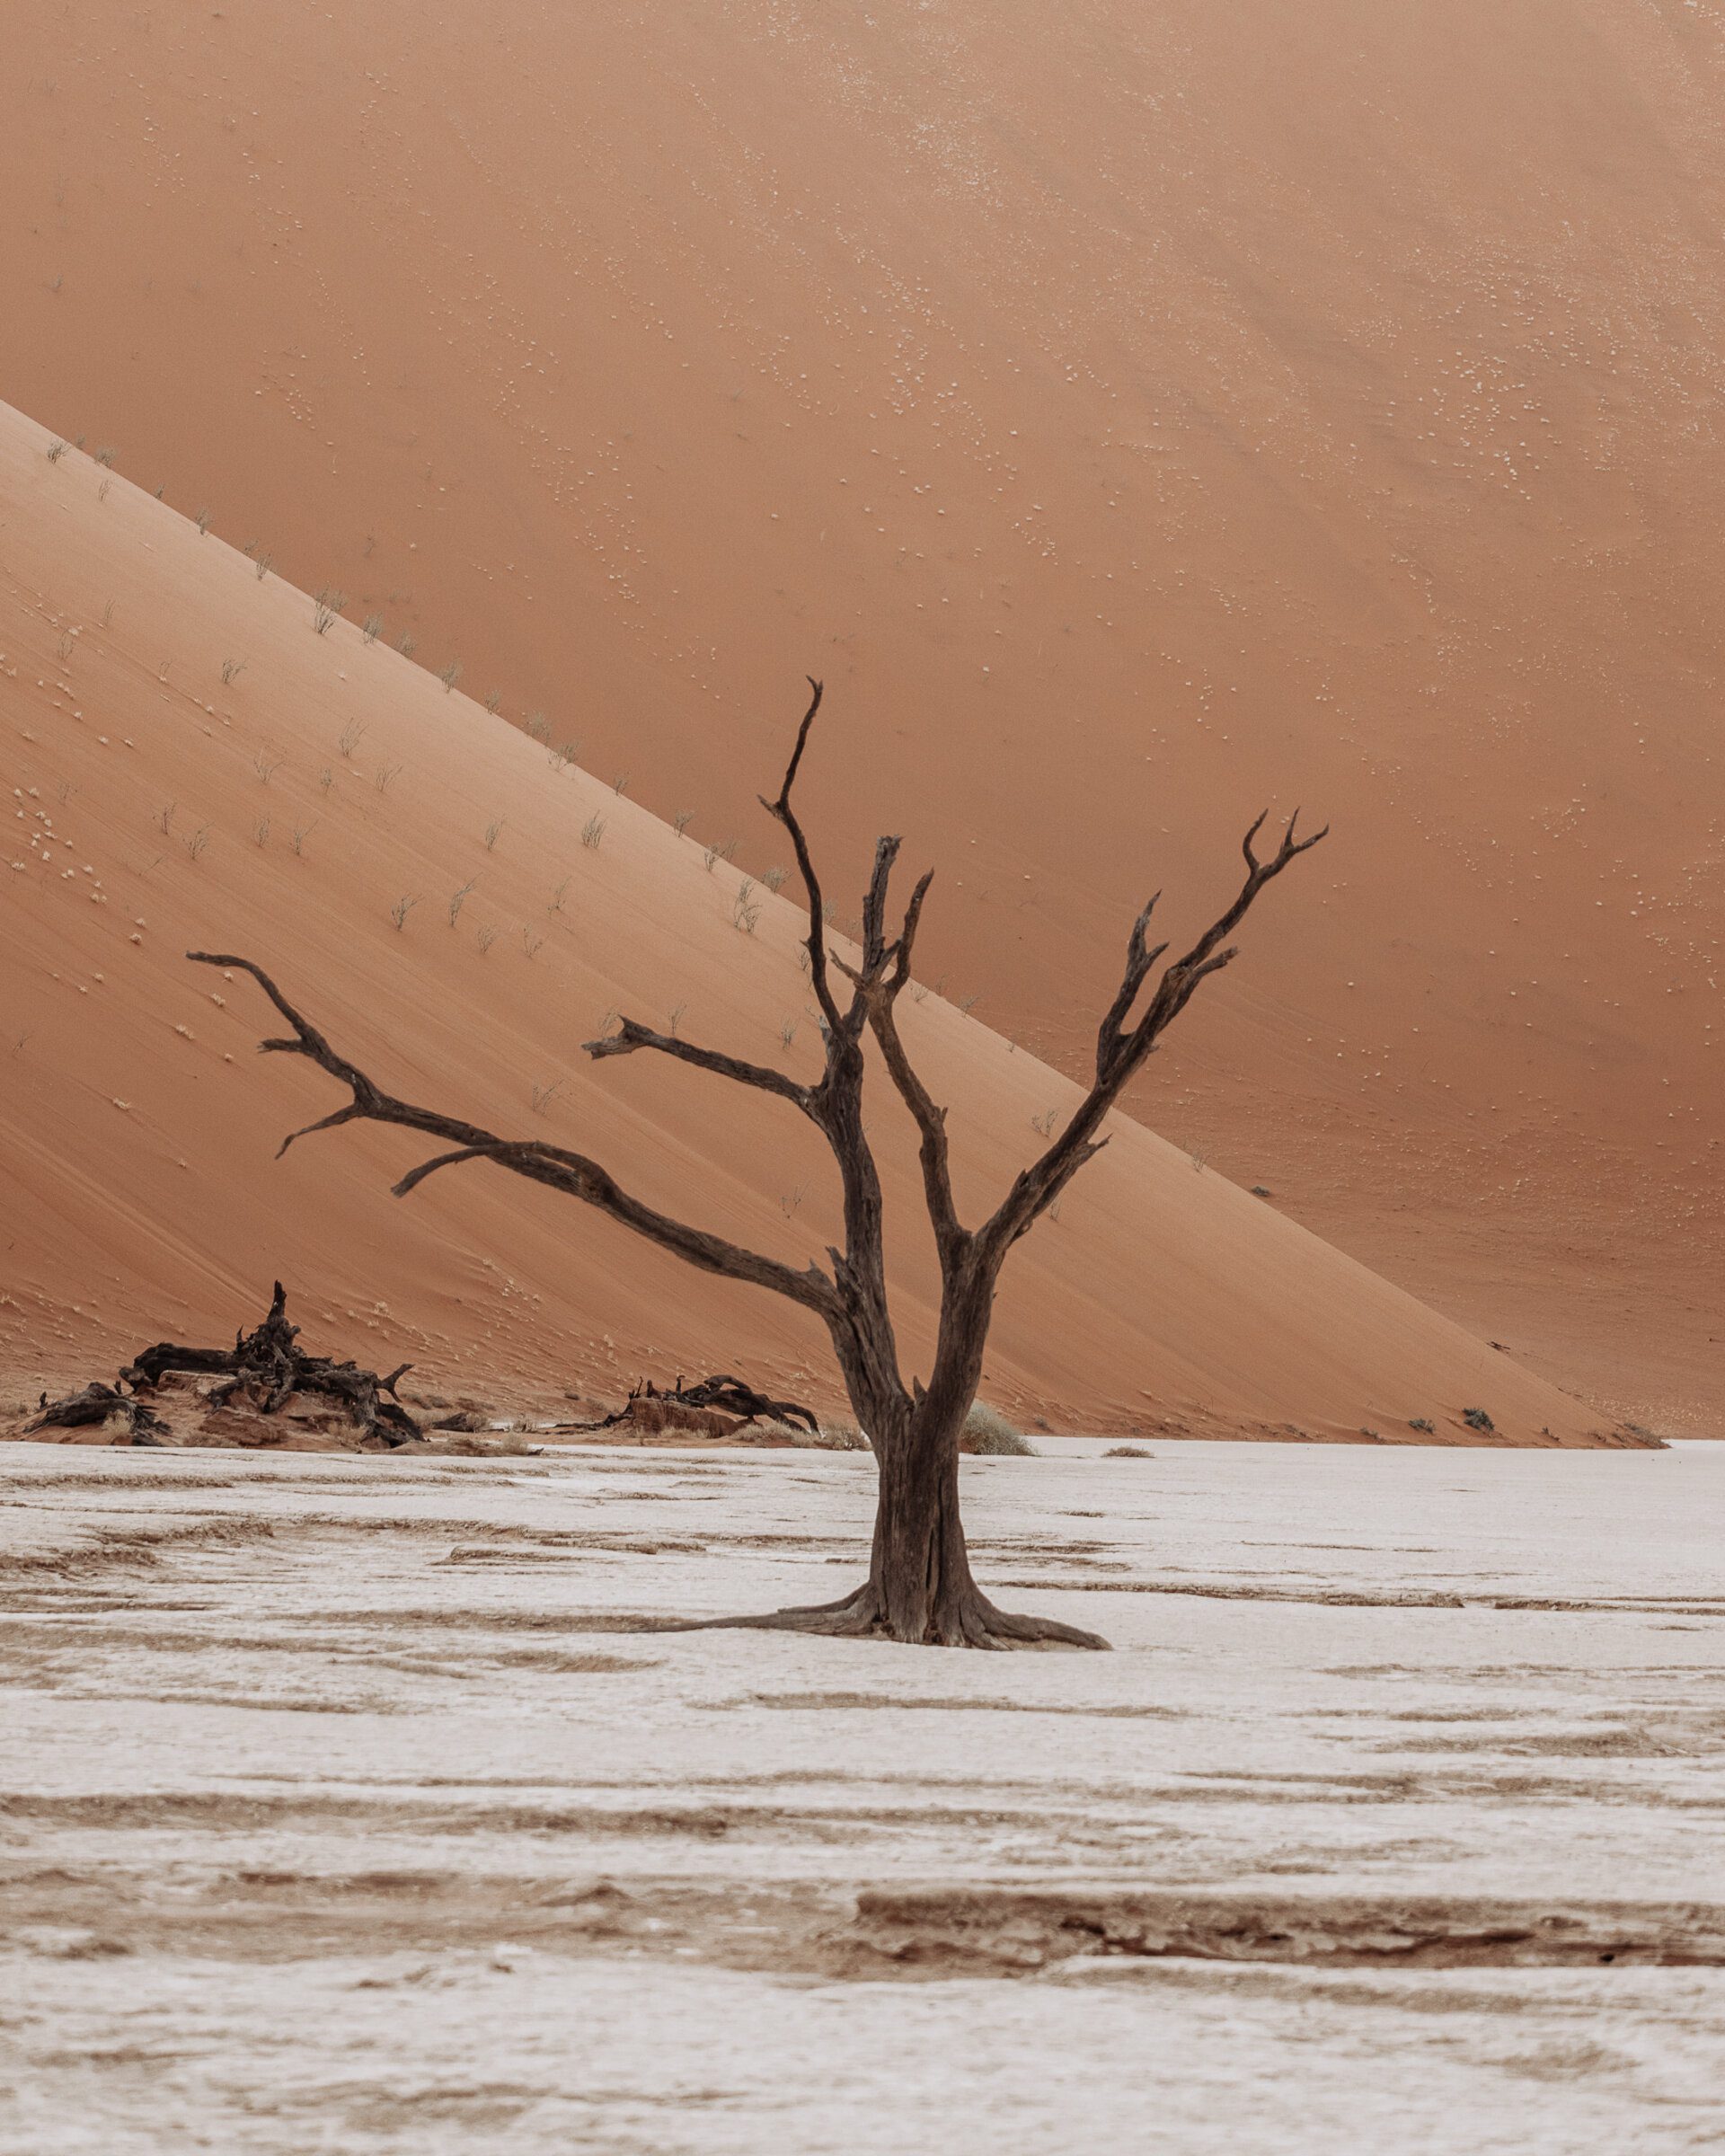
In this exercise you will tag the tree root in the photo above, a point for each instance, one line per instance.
(975, 1621)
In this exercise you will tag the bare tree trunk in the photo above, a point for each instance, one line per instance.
(920, 1568)
(920, 1588)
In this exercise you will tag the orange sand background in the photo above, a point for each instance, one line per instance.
(1133, 426)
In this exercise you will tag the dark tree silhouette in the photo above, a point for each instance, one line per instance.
(919, 1587)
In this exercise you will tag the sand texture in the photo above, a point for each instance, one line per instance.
(327, 811)
(1136, 419)
(348, 1805)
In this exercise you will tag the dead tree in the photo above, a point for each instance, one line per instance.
(266, 1365)
(919, 1587)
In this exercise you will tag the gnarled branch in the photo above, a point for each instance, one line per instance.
(558, 1169)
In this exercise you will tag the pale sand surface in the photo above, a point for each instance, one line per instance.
(1138, 418)
(340, 1816)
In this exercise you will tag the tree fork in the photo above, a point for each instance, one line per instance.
(919, 1588)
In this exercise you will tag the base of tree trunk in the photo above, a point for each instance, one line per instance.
(970, 1620)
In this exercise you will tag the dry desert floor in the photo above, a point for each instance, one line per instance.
(355, 1806)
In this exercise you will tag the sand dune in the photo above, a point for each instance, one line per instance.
(1189, 411)
(414, 871)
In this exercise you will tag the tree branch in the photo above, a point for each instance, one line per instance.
(782, 811)
(558, 1169)
(885, 971)
(1122, 1045)
(630, 1037)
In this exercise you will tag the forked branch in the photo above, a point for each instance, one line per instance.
(556, 1167)
(1122, 1042)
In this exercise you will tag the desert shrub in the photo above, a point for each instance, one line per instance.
(1128, 1452)
(986, 1431)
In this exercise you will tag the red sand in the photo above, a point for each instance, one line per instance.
(1133, 426)
(287, 816)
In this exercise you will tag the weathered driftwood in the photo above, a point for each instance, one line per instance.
(713, 1408)
(266, 1367)
(96, 1404)
(732, 1396)
(919, 1586)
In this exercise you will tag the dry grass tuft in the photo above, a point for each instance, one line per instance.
(988, 1432)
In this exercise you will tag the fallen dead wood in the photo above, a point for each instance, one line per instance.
(267, 1366)
(713, 1408)
(96, 1404)
(265, 1375)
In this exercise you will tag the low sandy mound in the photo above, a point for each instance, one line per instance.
(201, 759)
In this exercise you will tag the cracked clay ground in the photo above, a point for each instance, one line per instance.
(355, 1806)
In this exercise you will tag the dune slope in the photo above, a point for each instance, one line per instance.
(1196, 408)
(459, 908)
